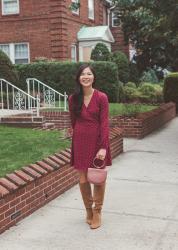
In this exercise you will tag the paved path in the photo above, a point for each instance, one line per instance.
(9, 112)
(140, 210)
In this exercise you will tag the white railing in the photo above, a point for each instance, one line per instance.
(13, 98)
(49, 97)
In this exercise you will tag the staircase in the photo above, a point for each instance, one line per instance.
(55, 120)
(15, 104)
(21, 109)
(49, 97)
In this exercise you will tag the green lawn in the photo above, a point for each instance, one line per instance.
(21, 146)
(129, 109)
(120, 109)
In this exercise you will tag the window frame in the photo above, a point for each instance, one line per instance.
(12, 51)
(93, 10)
(74, 46)
(112, 19)
(76, 12)
(10, 13)
(28, 58)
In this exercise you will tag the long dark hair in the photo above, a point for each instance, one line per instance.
(78, 94)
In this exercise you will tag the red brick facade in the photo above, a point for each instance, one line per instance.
(50, 27)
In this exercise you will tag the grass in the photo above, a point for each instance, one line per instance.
(56, 107)
(120, 109)
(129, 109)
(20, 146)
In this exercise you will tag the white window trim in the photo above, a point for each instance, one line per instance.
(14, 13)
(112, 19)
(75, 50)
(77, 12)
(12, 50)
(93, 11)
(28, 57)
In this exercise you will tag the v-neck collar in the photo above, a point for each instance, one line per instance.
(89, 101)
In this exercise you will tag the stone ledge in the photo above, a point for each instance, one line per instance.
(145, 123)
(25, 190)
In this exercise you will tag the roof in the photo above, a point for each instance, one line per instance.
(95, 33)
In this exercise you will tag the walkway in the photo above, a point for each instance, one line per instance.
(140, 210)
(9, 112)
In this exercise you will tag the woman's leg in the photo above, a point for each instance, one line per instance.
(85, 189)
(99, 191)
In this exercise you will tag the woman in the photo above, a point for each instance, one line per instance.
(90, 138)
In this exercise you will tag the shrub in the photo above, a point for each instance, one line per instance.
(149, 76)
(146, 93)
(100, 53)
(7, 70)
(131, 110)
(121, 96)
(150, 93)
(61, 76)
(134, 73)
(147, 89)
(159, 93)
(131, 85)
(170, 90)
(130, 94)
(123, 65)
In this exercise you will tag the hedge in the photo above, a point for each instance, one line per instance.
(170, 90)
(122, 62)
(61, 76)
(7, 70)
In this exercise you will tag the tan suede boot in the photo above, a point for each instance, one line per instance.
(85, 189)
(99, 191)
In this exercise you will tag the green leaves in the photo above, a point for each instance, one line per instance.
(152, 26)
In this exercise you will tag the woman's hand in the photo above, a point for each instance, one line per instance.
(101, 154)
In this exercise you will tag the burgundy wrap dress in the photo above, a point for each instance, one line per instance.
(90, 131)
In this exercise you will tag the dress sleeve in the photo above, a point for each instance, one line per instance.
(104, 122)
(72, 116)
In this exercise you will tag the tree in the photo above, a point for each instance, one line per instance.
(122, 63)
(152, 27)
(7, 70)
(100, 53)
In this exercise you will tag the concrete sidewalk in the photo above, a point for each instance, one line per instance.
(140, 210)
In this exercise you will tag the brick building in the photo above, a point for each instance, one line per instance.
(58, 29)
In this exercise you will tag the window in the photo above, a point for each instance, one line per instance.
(18, 52)
(10, 7)
(5, 48)
(21, 53)
(116, 18)
(91, 9)
(73, 53)
(75, 6)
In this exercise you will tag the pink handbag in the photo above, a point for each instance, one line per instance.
(98, 172)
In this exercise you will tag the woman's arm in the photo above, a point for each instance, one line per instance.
(72, 116)
(104, 126)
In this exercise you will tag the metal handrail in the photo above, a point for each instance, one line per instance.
(20, 99)
(35, 86)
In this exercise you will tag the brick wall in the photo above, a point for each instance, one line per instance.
(146, 122)
(49, 27)
(25, 190)
(30, 25)
(119, 43)
(60, 120)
